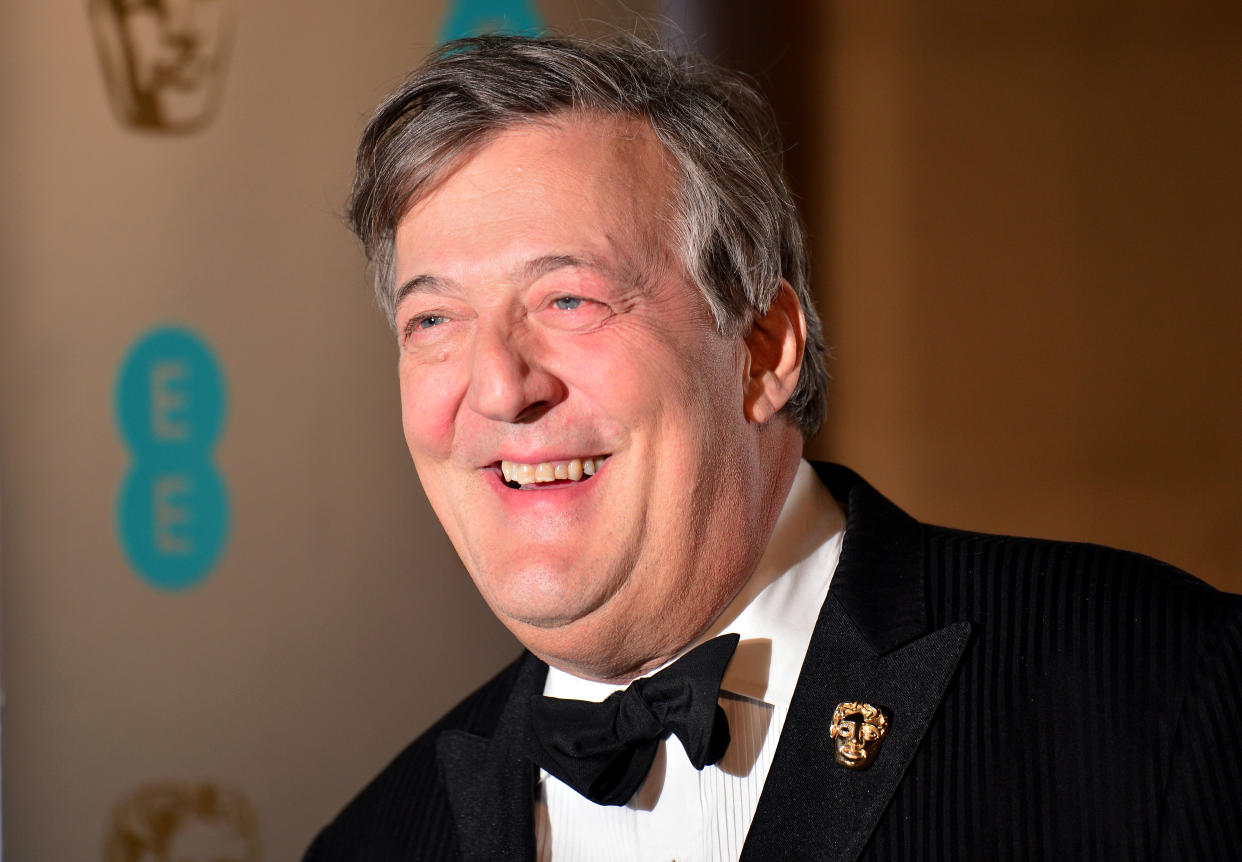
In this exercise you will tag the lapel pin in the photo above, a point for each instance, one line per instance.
(858, 729)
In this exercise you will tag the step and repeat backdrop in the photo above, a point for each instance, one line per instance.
(226, 603)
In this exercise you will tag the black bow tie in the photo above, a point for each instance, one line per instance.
(604, 750)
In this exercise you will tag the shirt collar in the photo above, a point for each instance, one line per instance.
(775, 611)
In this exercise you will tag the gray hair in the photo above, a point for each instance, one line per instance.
(739, 228)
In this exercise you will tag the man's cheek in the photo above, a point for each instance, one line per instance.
(429, 403)
(612, 372)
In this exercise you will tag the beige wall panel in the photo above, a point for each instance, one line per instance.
(338, 623)
(1033, 268)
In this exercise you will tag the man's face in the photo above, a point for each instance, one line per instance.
(547, 320)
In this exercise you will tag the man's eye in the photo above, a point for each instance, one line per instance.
(572, 313)
(422, 322)
(425, 321)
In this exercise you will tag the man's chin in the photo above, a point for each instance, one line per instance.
(551, 616)
(573, 637)
(546, 591)
(564, 610)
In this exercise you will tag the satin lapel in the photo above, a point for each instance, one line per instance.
(812, 808)
(489, 781)
(870, 644)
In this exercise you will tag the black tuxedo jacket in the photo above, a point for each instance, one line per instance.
(1046, 701)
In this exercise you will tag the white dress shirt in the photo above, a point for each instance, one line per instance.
(680, 813)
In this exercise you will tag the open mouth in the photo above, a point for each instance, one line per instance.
(545, 474)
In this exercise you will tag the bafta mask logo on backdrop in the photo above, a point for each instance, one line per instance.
(183, 822)
(164, 60)
(475, 17)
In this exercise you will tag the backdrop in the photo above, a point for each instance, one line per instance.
(226, 603)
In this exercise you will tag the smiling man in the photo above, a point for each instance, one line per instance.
(609, 363)
(547, 327)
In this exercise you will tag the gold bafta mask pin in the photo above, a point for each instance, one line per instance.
(858, 729)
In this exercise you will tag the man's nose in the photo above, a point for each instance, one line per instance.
(507, 381)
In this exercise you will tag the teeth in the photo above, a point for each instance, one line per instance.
(550, 471)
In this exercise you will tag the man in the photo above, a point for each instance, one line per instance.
(609, 362)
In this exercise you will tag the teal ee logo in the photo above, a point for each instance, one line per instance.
(172, 510)
(476, 17)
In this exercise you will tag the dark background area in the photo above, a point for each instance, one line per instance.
(1024, 220)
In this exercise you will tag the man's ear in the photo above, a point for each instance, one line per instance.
(774, 349)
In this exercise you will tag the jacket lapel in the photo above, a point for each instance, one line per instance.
(871, 644)
(489, 780)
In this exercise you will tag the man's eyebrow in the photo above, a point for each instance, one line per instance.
(544, 264)
(422, 284)
(622, 273)
(524, 274)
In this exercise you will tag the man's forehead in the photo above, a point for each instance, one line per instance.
(626, 144)
(590, 192)
(607, 176)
